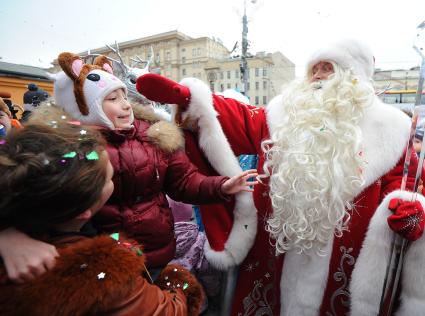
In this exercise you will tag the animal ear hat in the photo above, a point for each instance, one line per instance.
(81, 88)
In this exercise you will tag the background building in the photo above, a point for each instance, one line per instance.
(399, 79)
(398, 87)
(177, 56)
(15, 78)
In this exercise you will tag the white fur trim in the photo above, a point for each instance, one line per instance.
(162, 114)
(216, 148)
(368, 275)
(233, 94)
(385, 132)
(349, 54)
(303, 282)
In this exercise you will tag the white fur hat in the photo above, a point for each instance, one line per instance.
(90, 85)
(349, 54)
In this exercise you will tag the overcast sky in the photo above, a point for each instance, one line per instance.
(35, 32)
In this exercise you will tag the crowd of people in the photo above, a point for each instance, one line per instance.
(94, 191)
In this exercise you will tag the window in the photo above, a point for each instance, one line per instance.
(158, 59)
(247, 86)
(222, 87)
(257, 85)
(264, 72)
(183, 60)
(228, 86)
(257, 100)
(183, 50)
(184, 72)
(257, 72)
(228, 74)
(167, 56)
(264, 100)
(199, 51)
(237, 74)
(237, 87)
(193, 51)
(221, 75)
(264, 85)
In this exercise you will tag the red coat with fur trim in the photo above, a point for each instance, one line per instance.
(350, 276)
(73, 286)
(148, 163)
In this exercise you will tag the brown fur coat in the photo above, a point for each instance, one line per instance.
(76, 287)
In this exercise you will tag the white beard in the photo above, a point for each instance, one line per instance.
(314, 160)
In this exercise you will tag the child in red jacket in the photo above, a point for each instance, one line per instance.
(148, 160)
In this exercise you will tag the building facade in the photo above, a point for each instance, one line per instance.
(15, 78)
(399, 79)
(177, 56)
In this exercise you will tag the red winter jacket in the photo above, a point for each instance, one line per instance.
(148, 163)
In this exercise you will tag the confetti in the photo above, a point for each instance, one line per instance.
(101, 275)
(115, 236)
(71, 154)
(83, 266)
(93, 155)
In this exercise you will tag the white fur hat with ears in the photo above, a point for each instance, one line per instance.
(81, 88)
(347, 53)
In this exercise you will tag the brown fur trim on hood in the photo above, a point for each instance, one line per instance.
(165, 135)
(75, 285)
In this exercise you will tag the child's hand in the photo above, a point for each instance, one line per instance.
(240, 182)
(25, 258)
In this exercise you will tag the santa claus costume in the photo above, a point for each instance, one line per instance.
(314, 240)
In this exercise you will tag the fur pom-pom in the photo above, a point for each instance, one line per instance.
(174, 278)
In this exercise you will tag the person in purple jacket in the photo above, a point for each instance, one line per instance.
(148, 160)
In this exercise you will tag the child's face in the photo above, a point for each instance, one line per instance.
(108, 188)
(117, 109)
(5, 120)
